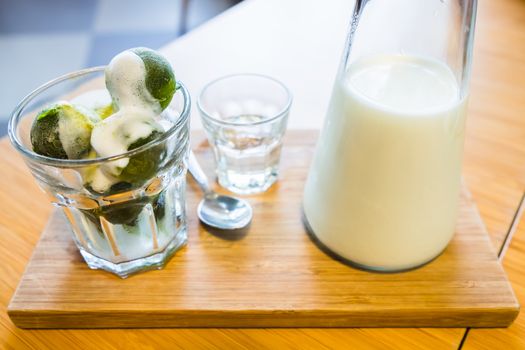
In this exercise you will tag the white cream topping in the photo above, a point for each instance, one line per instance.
(135, 119)
(126, 82)
(101, 181)
(115, 134)
(73, 128)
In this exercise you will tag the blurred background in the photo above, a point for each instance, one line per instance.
(42, 39)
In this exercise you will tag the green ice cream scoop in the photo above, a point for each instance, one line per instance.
(63, 131)
(160, 79)
(144, 166)
(148, 81)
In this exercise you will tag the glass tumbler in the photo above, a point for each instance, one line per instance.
(140, 221)
(245, 117)
(383, 189)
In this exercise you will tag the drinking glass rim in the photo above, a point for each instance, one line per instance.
(16, 116)
(278, 115)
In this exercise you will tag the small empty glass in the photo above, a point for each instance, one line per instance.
(245, 116)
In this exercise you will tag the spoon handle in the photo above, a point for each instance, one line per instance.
(197, 173)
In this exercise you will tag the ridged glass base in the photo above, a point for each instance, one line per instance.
(124, 269)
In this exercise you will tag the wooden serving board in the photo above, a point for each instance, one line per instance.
(270, 275)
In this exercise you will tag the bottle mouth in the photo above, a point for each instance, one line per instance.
(17, 115)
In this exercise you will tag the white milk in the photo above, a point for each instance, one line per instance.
(384, 184)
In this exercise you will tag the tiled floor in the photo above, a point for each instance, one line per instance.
(40, 40)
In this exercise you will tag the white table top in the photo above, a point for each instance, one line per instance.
(298, 48)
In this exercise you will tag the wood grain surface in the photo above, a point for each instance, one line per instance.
(512, 337)
(269, 275)
(494, 166)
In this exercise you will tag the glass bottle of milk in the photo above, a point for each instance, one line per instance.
(383, 189)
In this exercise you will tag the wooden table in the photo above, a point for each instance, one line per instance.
(300, 42)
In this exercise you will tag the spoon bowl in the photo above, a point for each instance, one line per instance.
(224, 212)
(215, 210)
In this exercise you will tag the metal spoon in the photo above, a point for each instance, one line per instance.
(219, 211)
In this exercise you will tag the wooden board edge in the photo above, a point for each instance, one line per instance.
(13, 300)
(476, 318)
(474, 207)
